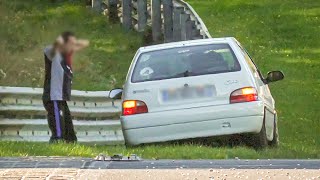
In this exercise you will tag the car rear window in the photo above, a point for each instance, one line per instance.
(185, 62)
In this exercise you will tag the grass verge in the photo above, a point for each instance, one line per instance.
(27, 27)
(171, 151)
(279, 34)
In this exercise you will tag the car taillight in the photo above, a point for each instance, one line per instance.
(132, 107)
(246, 94)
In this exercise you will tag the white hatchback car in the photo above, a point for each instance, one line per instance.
(195, 89)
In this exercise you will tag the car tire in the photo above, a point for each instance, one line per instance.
(258, 141)
(275, 140)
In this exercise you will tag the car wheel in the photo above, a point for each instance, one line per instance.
(258, 141)
(275, 140)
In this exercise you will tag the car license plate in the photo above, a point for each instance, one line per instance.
(188, 93)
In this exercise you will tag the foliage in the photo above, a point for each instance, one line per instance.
(27, 27)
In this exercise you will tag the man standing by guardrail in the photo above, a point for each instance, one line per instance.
(57, 85)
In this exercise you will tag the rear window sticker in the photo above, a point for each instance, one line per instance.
(146, 71)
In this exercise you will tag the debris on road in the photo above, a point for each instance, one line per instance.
(117, 157)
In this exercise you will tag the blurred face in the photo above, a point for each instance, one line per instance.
(68, 46)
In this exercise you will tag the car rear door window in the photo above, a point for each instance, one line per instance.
(185, 62)
(251, 63)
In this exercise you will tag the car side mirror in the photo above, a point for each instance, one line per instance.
(115, 94)
(274, 76)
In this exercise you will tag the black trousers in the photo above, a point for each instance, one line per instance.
(60, 121)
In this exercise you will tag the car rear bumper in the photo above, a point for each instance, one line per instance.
(193, 123)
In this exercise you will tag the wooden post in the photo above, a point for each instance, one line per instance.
(113, 11)
(156, 20)
(88, 2)
(196, 32)
(126, 14)
(97, 5)
(177, 23)
(142, 15)
(168, 20)
(189, 28)
(184, 18)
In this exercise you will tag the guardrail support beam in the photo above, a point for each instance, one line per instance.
(113, 11)
(156, 20)
(196, 32)
(96, 5)
(184, 18)
(168, 20)
(189, 27)
(127, 14)
(177, 23)
(142, 15)
(88, 2)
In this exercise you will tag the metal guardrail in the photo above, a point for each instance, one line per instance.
(36, 130)
(195, 17)
(23, 117)
(24, 102)
(170, 20)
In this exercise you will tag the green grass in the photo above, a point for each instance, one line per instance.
(279, 34)
(28, 26)
(169, 151)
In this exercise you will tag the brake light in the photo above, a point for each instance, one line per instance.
(246, 94)
(132, 107)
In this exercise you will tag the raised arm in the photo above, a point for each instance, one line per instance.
(80, 44)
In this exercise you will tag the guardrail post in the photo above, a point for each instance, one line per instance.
(177, 23)
(113, 11)
(88, 2)
(127, 14)
(184, 19)
(97, 5)
(142, 15)
(156, 20)
(168, 20)
(189, 27)
(196, 32)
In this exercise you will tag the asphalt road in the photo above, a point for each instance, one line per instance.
(87, 163)
(158, 174)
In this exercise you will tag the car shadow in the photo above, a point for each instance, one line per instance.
(230, 141)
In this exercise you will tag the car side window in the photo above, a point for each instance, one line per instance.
(248, 59)
(252, 65)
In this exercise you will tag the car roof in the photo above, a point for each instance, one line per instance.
(187, 43)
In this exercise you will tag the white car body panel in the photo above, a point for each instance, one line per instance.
(193, 118)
